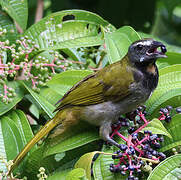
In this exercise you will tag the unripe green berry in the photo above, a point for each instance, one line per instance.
(20, 48)
(6, 73)
(37, 90)
(4, 31)
(26, 37)
(18, 41)
(1, 82)
(11, 89)
(37, 66)
(40, 83)
(36, 46)
(7, 42)
(11, 75)
(26, 60)
(45, 69)
(58, 63)
(11, 67)
(9, 94)
(37, 61)
(13, 51)
(4, 99)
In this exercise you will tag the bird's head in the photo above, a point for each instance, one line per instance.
(146, 51)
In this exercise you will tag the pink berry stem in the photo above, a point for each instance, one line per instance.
(139, 129)
(5, 91)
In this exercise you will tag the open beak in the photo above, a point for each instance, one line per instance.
(157, 49)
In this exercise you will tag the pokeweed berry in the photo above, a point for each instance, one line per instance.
(169, 108)
(131, 130)
(123, 147)
(138, 146)
(168, 118)
(130, 177)
(157, 145)
(162, 155)
(153, 137)
(178, 110)
(164, 111)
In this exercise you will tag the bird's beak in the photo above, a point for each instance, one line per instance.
(157, 49)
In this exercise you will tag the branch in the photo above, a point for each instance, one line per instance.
(39, 11)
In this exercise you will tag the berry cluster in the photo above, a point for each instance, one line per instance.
(141, 148)
(165, 114)
(21, 66)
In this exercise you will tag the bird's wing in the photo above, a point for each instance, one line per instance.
(111, 83)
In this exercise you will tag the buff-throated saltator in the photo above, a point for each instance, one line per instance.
(100, 98)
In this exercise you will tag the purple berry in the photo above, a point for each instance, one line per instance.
(123, 173)
(123, 147)
(169, 108)
(157, 145)
(131, 168)
(130, 177)
(154, 153)
(178, 110)
(168, 118)
(162, 155)
(161, 139)
(164, 111)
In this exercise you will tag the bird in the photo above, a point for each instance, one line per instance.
(101, 97)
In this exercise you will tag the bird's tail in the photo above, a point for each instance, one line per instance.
(40, 134)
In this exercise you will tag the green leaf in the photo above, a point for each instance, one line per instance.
(23, 125)
(12, 137)
(44, 104)
(2, 151)
(19, 96)
(36, 160)
(117, 43)
(174, 130)
(68, 29)
(62, 82)
(34, 110)
(85, 162)
(7, 23)
(18, 10)
(168, 89)
(59, 175)
(167, 170)
(101, 166)
(172, 58)
(76, 174)
(15, 132)
(74, 137)
(157, 128)
(74, 54)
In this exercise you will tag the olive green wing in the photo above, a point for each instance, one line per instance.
(110, 83)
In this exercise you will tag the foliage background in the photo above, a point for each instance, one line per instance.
(160, 19)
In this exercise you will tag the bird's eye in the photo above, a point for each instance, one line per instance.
(139, 47)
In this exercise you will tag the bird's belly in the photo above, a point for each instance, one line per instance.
(110, 111)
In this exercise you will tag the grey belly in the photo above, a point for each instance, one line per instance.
(110, 111)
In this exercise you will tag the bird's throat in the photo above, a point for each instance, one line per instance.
(151, 68)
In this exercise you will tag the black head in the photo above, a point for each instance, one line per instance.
(146, 51)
